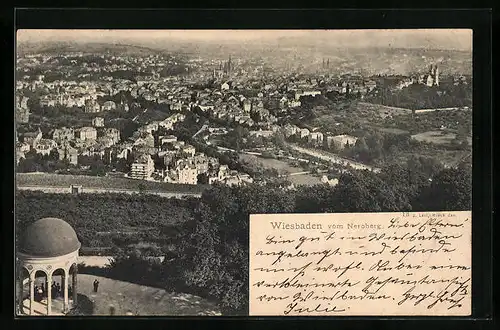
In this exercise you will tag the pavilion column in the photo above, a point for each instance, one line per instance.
(65, 290)
(21, 292)
(75, 283)
(32, 293)
(49, 293)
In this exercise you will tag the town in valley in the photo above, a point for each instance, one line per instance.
(147, 152)
(200, 118)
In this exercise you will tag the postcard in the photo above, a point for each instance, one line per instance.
(243, 172)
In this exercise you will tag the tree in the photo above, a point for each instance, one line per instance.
(216, 257)
(424, 166)
(375, 142)
(97, 167)
(364, 191)
(54, 155)
(279, 139)
(203, 178)
(122, 165)
(404, 180)
(318, 198)
(141, 187)
(450, 190)
(361, 149)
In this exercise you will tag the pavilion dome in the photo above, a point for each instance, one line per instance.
(49, 237)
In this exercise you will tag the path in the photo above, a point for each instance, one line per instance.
(204, 127)
(133, 299)
(136, 117)
(333, 158)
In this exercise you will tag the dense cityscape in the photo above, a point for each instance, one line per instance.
(157, 157)
(175, 119)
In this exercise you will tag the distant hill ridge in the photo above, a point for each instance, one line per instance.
(369, 60)
(75, 47)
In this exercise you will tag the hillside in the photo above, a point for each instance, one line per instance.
(75, 47)
(364, 60)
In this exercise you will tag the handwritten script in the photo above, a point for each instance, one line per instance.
(416, 263)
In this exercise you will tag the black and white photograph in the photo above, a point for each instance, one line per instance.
(142, 154)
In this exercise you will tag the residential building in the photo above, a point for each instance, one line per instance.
(32, 138)
(261, 133)
(98, 122)
(304, 132)
(142, 167)
(332, 182)
(177, 145)
(188, 174)
(167, 139)
(316, 138)
(235, 179)
(45, 146)
(189, 150)
(108, 105)
(341, 141)
(176, 106)
(68, 153)
(91, 106)
(87, 133)
(247, 105)
(145, 139)
(299, 94)
(289, 130)
(22, 110)
(63, 134)
(19, 155)
(113, 134)
(370, 85)
(223, 172)
(124, 153)
(23, 147)
(22, 115)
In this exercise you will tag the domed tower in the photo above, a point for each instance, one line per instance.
(47, 253)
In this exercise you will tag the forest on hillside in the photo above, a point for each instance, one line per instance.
(419, 96)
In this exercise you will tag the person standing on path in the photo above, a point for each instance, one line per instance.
(96, 285)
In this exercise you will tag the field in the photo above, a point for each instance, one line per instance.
(270, 163)
(436, 137)
(446, 157)
(390, 130)
(60, 180)
(382, 110)
(281, 166)
(343, 118)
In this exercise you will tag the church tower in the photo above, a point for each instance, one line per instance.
(436, 75)
(229, 67)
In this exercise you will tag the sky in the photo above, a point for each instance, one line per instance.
(453, 39)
